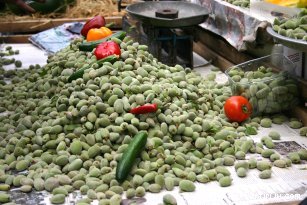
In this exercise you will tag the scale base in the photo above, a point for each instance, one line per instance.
(170, 46)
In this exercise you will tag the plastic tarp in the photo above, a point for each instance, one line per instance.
(57, 38)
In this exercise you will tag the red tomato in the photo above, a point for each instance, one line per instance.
(106, 49)
(237, 108)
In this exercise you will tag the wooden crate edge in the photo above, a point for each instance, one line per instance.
(32, 26)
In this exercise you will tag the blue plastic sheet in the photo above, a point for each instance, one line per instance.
(57, 38)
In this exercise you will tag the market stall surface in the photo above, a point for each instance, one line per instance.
(285, 185)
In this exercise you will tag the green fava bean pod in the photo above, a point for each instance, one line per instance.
(252, 163)
(229, 161)
(241, 172)
(130, 193)
(75, 165)
(186, 186)
(104, 202)
(295, 124)
(266, 153)
(274, 135)
(280, 163)
(60, 190)
(4, 187)
(4, 198)
(263, 92)
(288, 162)
(274, 157)
(116, 199)
(140, 191)
(222, 170)
(26, 188)
(243, 164)
(169, 183)
(119, 106)
(218, 176)
(154, 188)
(303, 131)
(202, 178)
(38, 184)
(169, 199)
(219, 161)
(294, 157)
(22, 165)
(246, 146)
(265, 174)
(57, 199)
(263, 165)
(266, 122)
(211, 173)
(267, 141)
(240, 155)
(302, 154)
(225, 181)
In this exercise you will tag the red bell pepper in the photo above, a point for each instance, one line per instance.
(96, 22)
(106, 49)
(143, 109)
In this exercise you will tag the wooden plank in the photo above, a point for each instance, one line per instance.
(209, 54)
(15, 38)
(32, 26)
(285, 203)
(301, 113)
(219, 45)
(302, 84)
(18, 38)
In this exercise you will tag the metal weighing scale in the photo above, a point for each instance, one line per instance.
(162, 26)
(296, 44)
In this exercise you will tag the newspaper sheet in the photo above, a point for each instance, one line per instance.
(242, 27)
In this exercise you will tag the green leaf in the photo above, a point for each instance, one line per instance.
(110, 25)
(214, 129)
(250, 130)
(43, 72)
(131, 28)
(237, 148)
(54, 100)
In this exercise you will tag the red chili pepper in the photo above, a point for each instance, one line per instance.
(96, 22)
(106, 49)
(143, 109)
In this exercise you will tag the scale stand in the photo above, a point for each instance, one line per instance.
(170, 46)
(161, 24)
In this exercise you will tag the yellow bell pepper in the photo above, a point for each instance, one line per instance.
(289, 3)
(98, 33)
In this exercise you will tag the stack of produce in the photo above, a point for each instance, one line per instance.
(268, 91)
(122, 126)
(295, 27)
(241, 3)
